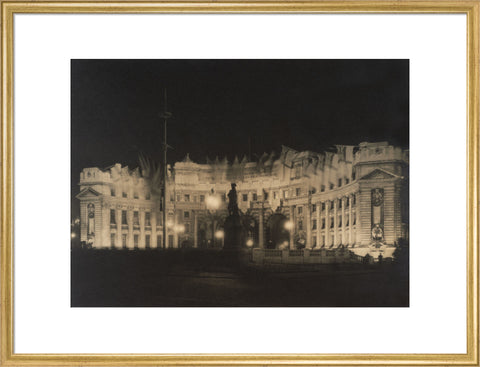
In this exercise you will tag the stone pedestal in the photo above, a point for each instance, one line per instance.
(234, 233)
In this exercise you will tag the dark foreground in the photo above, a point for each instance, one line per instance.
(196, 278)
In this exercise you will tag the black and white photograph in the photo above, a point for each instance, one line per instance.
(240, 183)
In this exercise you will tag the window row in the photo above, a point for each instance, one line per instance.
(136, 238)
(135, 218)
(113, 192)
(322, 239)
(331, 222)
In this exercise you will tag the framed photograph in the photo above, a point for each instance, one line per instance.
(256, 183)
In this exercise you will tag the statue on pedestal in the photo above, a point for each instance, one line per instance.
(233, 201)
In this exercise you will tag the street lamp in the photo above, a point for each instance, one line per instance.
(179, 228)
(288, 225)
(213, 203)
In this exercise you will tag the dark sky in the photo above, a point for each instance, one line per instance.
(217, 105)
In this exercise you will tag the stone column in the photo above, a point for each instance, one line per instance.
(141, 242)
(294, 227)
(319, 224)
(335, 223)
(350, 220)
(327, 224)
(153, 221)
(118, 219)
(130, 229)
(308, 220)
(344, 239)
(260, 229)
(195, 228)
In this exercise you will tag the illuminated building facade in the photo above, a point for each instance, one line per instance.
(354, 197)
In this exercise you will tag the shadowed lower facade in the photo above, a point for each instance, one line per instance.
(353, 197)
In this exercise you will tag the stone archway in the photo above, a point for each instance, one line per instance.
(277, 234)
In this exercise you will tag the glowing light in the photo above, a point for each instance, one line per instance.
(77, 221)
(213, 202)
(250, 243)
(219, 234)
(289, 225)
(179, 228)
(73, 235)
(169, 224)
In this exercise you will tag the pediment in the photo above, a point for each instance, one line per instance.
(379, 174)
(88, 193)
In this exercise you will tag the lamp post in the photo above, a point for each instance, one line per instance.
(289, 225)
(213, 203)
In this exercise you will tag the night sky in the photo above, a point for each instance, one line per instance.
(218, 105)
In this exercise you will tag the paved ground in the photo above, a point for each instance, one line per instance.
(208, 280)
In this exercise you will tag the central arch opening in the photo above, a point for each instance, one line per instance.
(277, 234)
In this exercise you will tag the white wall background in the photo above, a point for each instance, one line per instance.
(435, 321)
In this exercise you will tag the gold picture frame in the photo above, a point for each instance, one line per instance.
(470, 8)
